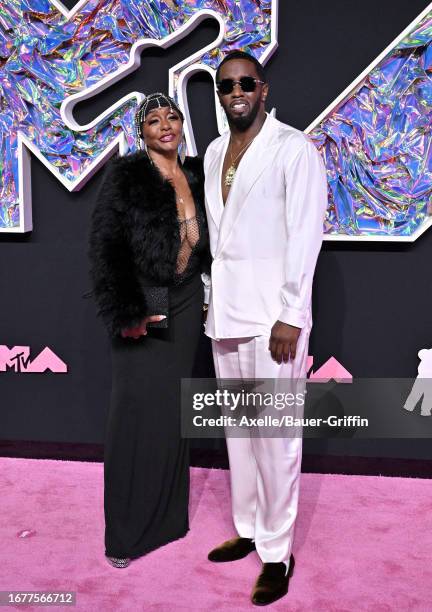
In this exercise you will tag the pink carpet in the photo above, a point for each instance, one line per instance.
(362, 543)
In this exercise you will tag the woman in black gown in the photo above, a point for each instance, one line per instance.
(148, 248)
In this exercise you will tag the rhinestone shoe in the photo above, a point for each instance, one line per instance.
(117, 562)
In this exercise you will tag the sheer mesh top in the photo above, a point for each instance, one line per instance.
(189, 236)
(191, 245)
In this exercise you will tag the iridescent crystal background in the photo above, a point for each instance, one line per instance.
(376, 144)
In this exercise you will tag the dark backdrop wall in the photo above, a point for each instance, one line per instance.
(372, 304)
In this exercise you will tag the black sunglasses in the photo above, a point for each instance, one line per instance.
(248, 84)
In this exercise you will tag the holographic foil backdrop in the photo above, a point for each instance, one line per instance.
(377, 145)
(46, 56)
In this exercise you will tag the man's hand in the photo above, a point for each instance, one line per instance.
(283, 341)
(141, 329)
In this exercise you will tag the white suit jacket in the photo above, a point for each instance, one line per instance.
(266, 240)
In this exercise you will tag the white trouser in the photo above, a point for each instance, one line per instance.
(264, 470)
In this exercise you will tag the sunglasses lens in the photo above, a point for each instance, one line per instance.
(247, 84)
(225, 86)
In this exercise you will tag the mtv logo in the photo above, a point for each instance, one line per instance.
(18, 360)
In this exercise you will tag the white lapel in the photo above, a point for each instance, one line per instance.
(250, 168)
(213, 189)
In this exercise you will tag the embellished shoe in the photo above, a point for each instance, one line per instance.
(118, 562)
(272, 583)
(231, 550)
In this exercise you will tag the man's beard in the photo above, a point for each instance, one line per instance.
(244, 123)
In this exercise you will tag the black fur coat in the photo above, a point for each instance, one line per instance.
(134, 236)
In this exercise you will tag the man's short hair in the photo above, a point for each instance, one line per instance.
(242, 55)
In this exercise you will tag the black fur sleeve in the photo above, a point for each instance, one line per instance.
(120, 301)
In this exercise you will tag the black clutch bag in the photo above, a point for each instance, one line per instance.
(157, 304)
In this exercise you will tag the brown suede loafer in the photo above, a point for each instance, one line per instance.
(231, 550)
(272, 583)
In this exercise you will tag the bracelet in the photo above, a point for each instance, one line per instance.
(205, 307)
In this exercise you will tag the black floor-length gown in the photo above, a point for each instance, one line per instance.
(146, 464)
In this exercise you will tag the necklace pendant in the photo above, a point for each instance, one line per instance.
(229, 176)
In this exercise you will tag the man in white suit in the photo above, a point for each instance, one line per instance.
(266, 196)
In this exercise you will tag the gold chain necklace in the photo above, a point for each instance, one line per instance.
(231, 172)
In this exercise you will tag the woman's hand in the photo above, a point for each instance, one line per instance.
(141, 329)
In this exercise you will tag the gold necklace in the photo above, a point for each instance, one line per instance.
(231, 172)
